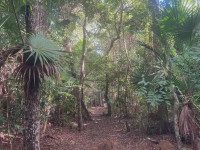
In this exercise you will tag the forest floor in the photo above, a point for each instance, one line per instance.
(103, 133)
(100, 133)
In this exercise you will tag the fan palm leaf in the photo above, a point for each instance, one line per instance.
(8, 20)
(43, 49)
(179, 19)
(42, 56)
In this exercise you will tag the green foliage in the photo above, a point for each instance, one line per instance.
(155, 91)
(180, 19)
(8, 20)
(138, 16)
(43, 49)
(187, 64)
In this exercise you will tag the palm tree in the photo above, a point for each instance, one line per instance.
(177, 22)
(40, 57)
(40, 60)
(175, 27)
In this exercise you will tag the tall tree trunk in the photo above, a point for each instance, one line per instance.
(106, 96)
(81, 81)
(176, 100)
(32, 92)
(126, 93)
(126, 77)
(85, 113)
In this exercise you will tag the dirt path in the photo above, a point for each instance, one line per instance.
(95, 132)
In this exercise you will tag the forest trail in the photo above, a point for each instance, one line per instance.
(102, 128)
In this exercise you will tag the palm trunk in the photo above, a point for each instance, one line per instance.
(32, 118)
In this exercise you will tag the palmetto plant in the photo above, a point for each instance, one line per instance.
(179, 19)
(40, 58)
(41, 55)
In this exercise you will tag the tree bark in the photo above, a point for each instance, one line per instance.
(106, 96)
(32, 118)
(163, 115)
(85, 113)
(126, 77)
(31, 130)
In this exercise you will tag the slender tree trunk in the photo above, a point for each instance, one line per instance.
(81, 82)
(176, 100)
(126, 77)
(85, 113)
(106, 96)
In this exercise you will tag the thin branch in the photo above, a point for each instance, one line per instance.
(17, 22)
(118, 30)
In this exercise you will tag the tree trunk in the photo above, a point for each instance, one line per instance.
(106, 96)
(163, 115)
(81, 81)
(32, 92)
(32, 118)
(176, 101)
(85, 113)
(175, 112)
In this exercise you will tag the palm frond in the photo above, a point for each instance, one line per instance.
(40, 59)
(43, 50)
(180, 18)
(33, 74)
(6, 11)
